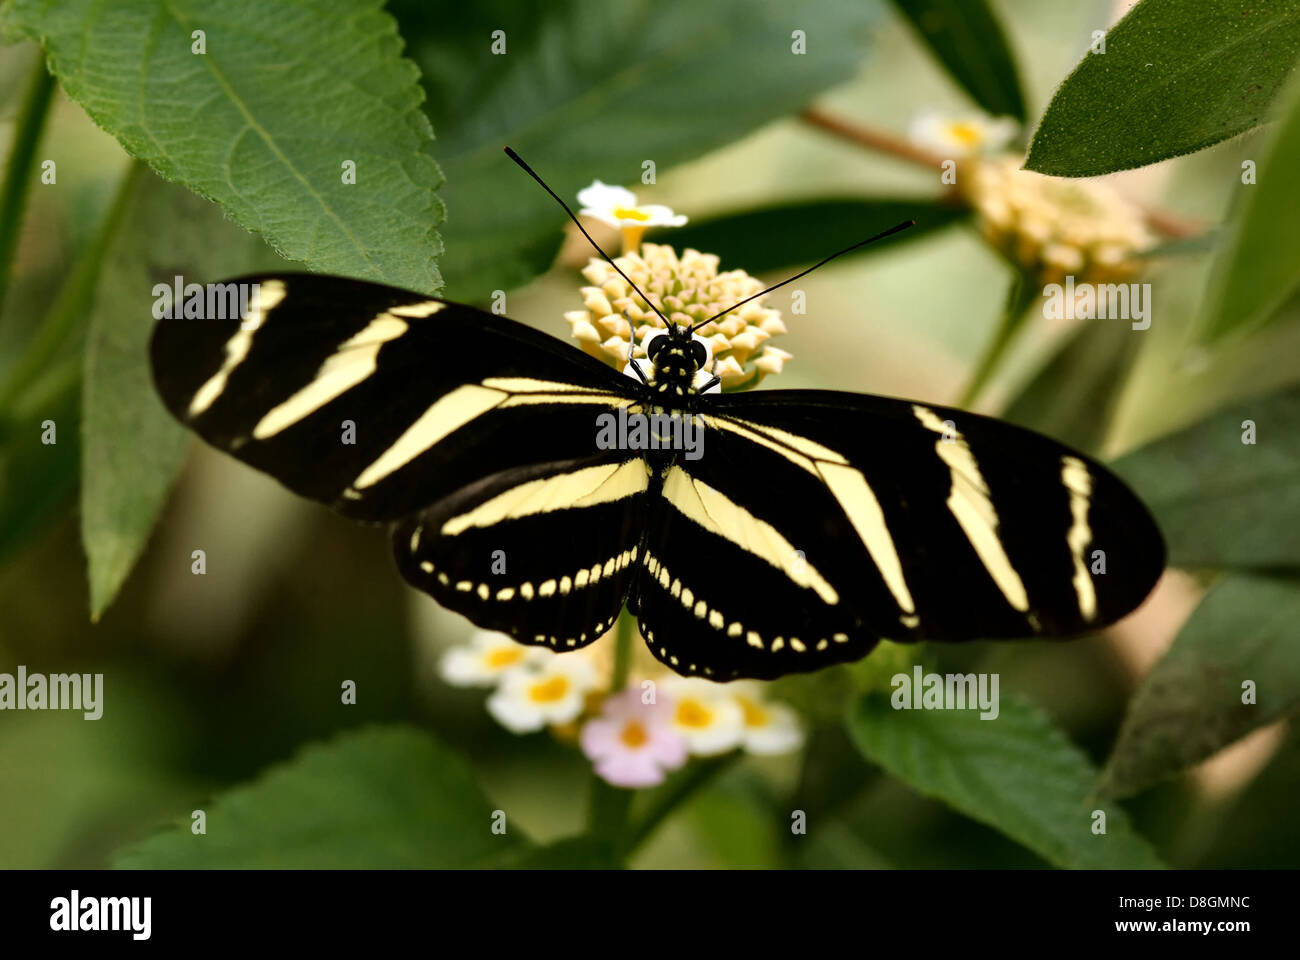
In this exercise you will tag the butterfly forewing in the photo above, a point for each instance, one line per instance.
(374, 400)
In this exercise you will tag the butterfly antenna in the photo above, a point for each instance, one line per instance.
(861, 243)
(572, 216)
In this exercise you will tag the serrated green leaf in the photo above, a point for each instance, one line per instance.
(967, 39)
(588, 89)
(1259, 267)
(789, 235)
(132, 447)
(264, 120)
(1220, 502)
(383, 797)
(1190, 705)
(1177, 76)
(1017, 773)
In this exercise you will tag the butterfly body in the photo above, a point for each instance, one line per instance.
(811, 525)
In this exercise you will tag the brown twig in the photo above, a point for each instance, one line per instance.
(1173, 224)
(1162, 221)
(871, 139)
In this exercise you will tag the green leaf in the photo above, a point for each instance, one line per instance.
(589, 89)
(132, 447)
(1177, 76)
(264, 120)
(382, 797)
(968, 41)
(1190, 705)
(1073, 397)
(1219, 501)
(40, 393)
(786, 236)
(39, 480)
(1259, 267)
(1017, 773)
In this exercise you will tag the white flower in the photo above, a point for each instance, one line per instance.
(552, 692)
(770, 727)
(487, 657)
(705, 715)
(951, 136)
(617, 207)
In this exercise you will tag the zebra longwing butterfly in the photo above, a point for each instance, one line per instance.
(813, 523)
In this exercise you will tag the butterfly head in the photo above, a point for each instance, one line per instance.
(680, 362)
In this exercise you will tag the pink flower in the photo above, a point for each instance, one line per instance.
(632, 743)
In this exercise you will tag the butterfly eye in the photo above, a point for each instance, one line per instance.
(702, 350)
(653, 343)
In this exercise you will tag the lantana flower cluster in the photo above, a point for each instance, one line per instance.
(688, 288)
(1057, 227)
(634, 735)
(1049, 226)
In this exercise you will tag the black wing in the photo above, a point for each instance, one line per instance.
(817, 523)
(378, 401)
(476, 432)
(547, 554)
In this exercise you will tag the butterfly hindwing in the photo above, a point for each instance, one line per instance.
(375, 400)
(724, 592)
(818, 522)
(546, 554)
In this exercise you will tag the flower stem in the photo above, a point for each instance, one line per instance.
(624, 637)
(876, 140)
(13, 193)
(609, 804)
(74, 299)
(608, 817)
(1022, 293)
(676, 793)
